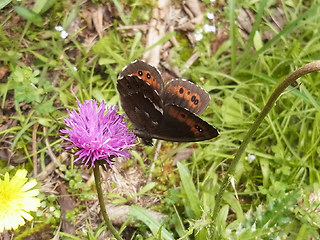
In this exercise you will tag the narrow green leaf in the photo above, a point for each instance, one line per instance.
(154, 224)
(42, 6)
(298, 23)
(19, 134)
(232, 110)
(222, 218)
(235, 204)
(137, 156)
(257, 40)
(255, 28)
(4, 3)
(29, 15)
(71, 15)
(146, 188)
(162, 40)
(136, 42)
(233, 31)
(190, 189)
(44, 122)
(119, 7)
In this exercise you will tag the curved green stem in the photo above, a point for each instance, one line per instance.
(308, 68)
(97, 178)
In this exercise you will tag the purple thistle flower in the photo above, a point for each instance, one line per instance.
(97, 135)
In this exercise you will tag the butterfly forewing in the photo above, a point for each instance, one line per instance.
(144, 71)
(140, 102)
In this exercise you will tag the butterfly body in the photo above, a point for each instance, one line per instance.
(163, 111)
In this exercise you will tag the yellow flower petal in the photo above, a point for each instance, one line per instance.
(1, 226)
(32, 193)
(29, 185)
(17, 199)
(26, 216)
(21, 173)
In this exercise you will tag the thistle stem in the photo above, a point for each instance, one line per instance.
(308, 68)
(97, 178)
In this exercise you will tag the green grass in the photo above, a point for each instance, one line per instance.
(280, 168)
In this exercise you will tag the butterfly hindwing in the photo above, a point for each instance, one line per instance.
(186, 94)
(181, 125)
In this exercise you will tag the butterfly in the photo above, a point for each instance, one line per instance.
(163, 111)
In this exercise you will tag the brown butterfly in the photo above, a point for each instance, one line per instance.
(168, 112)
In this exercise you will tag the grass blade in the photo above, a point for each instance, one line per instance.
(190, 189)
(154, 225)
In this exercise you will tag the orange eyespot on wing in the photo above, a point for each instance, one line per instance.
(192, 99)
(146, 76)
(145, 71)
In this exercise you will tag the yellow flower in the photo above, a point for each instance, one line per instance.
(17, 200)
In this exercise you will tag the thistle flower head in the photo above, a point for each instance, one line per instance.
(17, 199)
(97, 135)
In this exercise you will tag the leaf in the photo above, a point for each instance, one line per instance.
(26, 92)
(29, 15)
(20, 133)
(257, 41)
(122, 15)
(18, 75)
(222, 218)
(4, 3)
(42, 6)
(146, 188)
(235, 205)
(232, 110)
(45, 107)
(154, 225)
(190, 189)
(44, 122)
(71, 16)
(137, 156)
